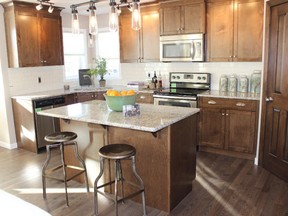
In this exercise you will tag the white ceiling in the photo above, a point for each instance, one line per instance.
(101, 5)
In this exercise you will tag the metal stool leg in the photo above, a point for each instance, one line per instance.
(44, 170)
(95, 186)
(64, 171)
(82, 163)
(141, 183)
(116, 185)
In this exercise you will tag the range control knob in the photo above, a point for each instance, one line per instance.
(204, 78)
(178, 77)
(199, 78)
(173, 77)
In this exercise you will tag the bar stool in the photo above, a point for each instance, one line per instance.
(118, 152)
(61, 140)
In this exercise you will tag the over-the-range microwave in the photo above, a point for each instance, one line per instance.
(185, 48)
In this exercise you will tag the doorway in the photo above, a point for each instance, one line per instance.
(275, 110)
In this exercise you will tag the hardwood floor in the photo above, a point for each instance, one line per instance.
(224, 186)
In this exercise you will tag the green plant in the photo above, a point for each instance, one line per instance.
(100, 68)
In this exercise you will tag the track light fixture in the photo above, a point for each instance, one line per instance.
(40, 5)
(75, 21)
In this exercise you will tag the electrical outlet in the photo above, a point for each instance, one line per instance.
(39, 80)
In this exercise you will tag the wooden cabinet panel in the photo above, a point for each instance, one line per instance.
(88, 96)
(182, 17)
(241, 131)
(145, 98)
(37, 45)
(212, 128)
(228, 126)
(234, 30)
(143, 45)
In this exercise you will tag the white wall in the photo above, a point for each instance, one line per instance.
(7, 134)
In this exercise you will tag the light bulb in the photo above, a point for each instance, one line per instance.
(93, 25)
(136, 16)
(39, 7)
(50, 9)
(75, 22)
(113, 20)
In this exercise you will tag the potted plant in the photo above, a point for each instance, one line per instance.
(100, 69)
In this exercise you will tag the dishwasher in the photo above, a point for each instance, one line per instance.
(45, 125)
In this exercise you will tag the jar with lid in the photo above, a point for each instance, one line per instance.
(232, 83)
(223, 83)
(243, 84)
(256, 81)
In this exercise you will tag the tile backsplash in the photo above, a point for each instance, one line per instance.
(26, 80)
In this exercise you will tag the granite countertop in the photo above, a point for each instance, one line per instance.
(151, 119)
(61, 92)
(230, 95)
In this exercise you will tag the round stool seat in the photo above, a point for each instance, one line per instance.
(117, 151)
(60, 137)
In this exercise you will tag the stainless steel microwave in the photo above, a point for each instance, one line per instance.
(185, 48)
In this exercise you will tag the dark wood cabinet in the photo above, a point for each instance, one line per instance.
(88, 96)
(234, 30)
(182, 17)
(145, 98)
(228, 126)
(142, 45)
(34, 38)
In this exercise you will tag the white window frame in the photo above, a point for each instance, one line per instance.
(76, 77)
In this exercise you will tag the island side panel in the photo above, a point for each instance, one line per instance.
(152, 162)
(183, 139)
(91, 137)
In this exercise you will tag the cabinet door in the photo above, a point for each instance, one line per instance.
(99, 96)
(170, 20)
(85, 96)
(240, 131)
(212, 128)
(220, 31)
(51, 40)
(150, 47)
(193, 18)
(129, 41)
(27, 39)
(248, 30)
(70, 99)
(145, 98)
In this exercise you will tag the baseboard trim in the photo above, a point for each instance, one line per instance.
(8, 145)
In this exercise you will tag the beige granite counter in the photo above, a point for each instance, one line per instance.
(231, 95)
(152, 118)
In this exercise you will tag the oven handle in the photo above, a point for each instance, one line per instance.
(192, 49)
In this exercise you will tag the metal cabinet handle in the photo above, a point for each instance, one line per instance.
(142, 97)
(211, 102)
(270, 99)
(227, 114)
(223, 114)
(240, 104)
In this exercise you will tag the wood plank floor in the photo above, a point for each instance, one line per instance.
(224, 186)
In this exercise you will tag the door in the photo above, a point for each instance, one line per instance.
(275, 152)
(171, 20)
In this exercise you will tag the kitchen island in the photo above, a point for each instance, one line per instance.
(164, 138)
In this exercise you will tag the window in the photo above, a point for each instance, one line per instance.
(75, 53)
(107, 46)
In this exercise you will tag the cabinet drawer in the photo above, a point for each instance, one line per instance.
(145, 98)
(222, 103)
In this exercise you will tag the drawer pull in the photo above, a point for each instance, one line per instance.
(211, 102)
(142, 97)
(240, 104)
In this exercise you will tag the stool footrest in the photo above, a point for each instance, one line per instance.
(51, 170)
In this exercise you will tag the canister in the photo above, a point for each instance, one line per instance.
(243, 84)
(232, 83)
(223, 83)
(256, 81)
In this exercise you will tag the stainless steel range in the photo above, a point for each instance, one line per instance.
(184, 88)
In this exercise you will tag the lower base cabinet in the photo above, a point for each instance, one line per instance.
(228, 126)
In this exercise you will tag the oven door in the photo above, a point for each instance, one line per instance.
(175, 102)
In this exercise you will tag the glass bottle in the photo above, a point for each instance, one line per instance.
(154, 79)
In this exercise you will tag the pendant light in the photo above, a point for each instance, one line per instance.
(93, 25)
(113, 17)
(136, 16)
(75, 21)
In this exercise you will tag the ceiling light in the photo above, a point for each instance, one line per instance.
(40, 6)
(75, 21)
(113, 19)
(51, 8)
(93, 25)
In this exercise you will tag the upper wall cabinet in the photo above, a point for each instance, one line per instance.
(182, 17)
(34, 38)
(142, 45)
(234, 30)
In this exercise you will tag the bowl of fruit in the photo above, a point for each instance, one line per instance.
(116, 99)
